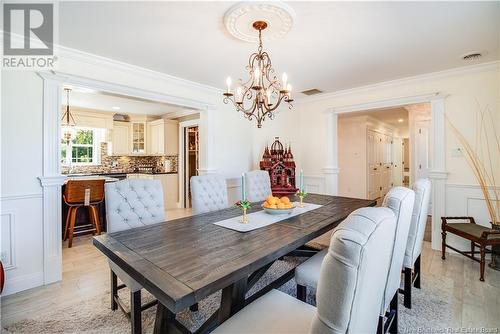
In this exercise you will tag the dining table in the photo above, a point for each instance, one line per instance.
(182, 261)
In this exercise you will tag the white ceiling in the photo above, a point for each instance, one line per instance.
(332, 46)
(88, 99)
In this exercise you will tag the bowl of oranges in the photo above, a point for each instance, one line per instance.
(277, 206)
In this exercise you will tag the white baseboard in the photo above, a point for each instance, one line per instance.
(21, 283)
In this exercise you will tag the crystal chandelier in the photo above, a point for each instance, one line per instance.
(262, 94)
(67, 121)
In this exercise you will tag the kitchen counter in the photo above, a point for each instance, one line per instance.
(92, 177)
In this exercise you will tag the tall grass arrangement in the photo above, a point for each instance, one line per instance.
(481, 157)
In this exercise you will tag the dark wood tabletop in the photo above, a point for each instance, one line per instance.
(183, 261)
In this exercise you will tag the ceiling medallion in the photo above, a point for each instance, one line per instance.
(239, 20)
(262, 93)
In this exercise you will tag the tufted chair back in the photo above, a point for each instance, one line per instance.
(422, 190)
(133, 203)
(353, 273)
(258, 185)
(400, 200)
(208, 193)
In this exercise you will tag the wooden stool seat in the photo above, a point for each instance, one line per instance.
(79, 194)
(478, 235)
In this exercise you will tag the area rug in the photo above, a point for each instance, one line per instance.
(432, 309)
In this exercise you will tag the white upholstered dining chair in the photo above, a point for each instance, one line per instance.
(208, 193)
(257, 185)
(350, 289)
(129, 204)
(400, 201)
(411, 262)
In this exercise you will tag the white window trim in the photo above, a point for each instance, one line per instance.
(96, 149)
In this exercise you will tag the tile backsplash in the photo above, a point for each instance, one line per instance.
(122, 164)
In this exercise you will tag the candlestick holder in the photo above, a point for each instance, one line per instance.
(244, 217)
(301, 194)
(244, 206)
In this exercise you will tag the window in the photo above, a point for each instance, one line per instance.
(83, 149)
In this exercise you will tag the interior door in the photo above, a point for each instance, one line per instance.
(397, 162)
(385, 172)
(422, 149)
(374, 153)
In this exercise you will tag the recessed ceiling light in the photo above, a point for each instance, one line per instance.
(115, 108)
(401, 120)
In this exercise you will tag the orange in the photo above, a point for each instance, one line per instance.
(268, 198)
(272, 200)
(266, 205)
(281, 206)
(274, 206)
(285, 200)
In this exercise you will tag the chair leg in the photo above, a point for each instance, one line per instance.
(380, 325)
(482, 262)
(114, 290)
(135, 312)
(72, 226)
(417, 272)
(68, 215)
(393, 329)
(472, 248)
(301, 292)
(194, 308)
(443, 245)
(95, 219)
(407, 289)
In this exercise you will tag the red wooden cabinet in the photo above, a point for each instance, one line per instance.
(278, 161)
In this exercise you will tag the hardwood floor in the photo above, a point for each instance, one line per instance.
(86, 275)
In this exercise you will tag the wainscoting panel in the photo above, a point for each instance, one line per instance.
(233, 190)
(465, 200)
(314, 184)
(21, 242)
(7, 246)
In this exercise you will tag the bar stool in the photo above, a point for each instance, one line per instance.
(78, 194)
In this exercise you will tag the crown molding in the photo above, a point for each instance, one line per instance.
(398, 82)
(93, 59)
(388, 103)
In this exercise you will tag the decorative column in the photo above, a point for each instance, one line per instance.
(51, 180)
(206, 135)
(438, 174)
(331, 170)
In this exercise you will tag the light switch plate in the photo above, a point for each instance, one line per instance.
(456, 152)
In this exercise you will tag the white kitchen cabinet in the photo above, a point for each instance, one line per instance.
(138, 137)
(156, 137)
(163, 137)
(171, 137)
(170, 184)
(120, 139)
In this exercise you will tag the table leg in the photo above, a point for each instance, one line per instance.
(233, 299)
(164, 321)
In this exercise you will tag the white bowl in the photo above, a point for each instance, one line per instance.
(278, 211)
